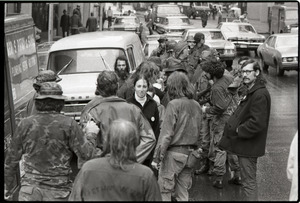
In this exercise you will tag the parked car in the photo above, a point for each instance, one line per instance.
(280, 51)
(164, 10)
(243, 35)
(172, 24)
(215, 39)
(194, 9)
(152, 43)
(78, 59)
(126, 8)
(126, 23)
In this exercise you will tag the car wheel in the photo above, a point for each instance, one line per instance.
(279, 71)
(229, 63)
(263, 64)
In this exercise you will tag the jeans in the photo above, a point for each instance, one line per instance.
(36, 193)
(175, 179)
(248, 172)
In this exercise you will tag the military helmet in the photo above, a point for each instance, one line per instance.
(47, 76)
(198, 36)
(190, 38)
(50, 90)
(170, 45)
(180, 46)
(162, 38)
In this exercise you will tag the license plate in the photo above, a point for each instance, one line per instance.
(243, 46)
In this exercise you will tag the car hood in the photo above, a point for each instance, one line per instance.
(79, 85)
(242, 35)
(125, 26)
(173, 27)
(288, 51)
(219, 44)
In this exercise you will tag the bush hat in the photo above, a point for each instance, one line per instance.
(50, 90)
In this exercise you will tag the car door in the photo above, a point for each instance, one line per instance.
(268, 49)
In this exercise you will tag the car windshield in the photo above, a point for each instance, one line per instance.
(201, 4)
(168, 10)
(126, 21)
(178, 21)
(287, 41)
(291, 15)
(210, 35)
(83, 60)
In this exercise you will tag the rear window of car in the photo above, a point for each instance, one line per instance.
(126, 21)
(83, 60)
(168, 10)
(211, 35)
(178, 21)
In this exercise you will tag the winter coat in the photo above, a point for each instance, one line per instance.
(251, 118)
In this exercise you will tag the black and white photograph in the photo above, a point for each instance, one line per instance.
(151, 101)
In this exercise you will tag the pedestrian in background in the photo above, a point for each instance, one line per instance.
(204, 18)
(91, 23)
(116, 176)
(178, 138)
(245, 132)
(292, 168)
(78, 12)
(150, 23)
(47, 141)
(107, 107)
(220, 17)
(161, 49)
(109, 16)
(75, 22)
(65, 23)
(43, 76)
(122, 69)
(222, 106)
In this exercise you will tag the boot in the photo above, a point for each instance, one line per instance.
(218, 183)
(204, 167)
(236, 179)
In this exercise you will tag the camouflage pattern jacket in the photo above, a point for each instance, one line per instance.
(104, 110)
(47, 141)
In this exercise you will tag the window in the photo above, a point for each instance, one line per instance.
(83, 60)
(131, 58)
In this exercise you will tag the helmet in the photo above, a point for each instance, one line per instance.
(198, 36)
(190, 38)
(180, 46)
(162, 38)
(170, 45)
(50, 90)
(47, 76)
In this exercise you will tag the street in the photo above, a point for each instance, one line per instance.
(271, 172)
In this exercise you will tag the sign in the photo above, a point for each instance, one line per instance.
(22, 61)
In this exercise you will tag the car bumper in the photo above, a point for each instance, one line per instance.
(246, 45)
(290, 65)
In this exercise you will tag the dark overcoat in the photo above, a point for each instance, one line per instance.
(252, 120)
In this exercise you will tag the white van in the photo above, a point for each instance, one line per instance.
(78, 59)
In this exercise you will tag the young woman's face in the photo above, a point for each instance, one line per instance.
(141, 87)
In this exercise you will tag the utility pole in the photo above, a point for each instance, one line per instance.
(50, 23)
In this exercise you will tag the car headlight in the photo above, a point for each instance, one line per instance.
(284, 60)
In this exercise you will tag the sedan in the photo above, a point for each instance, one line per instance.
(280, 51)
(152, 42)
(215, 39)
(243, 35)
(126, 23)
(172, 24)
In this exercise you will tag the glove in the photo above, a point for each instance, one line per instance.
(91, 127)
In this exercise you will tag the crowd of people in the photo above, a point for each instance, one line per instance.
(143, 134)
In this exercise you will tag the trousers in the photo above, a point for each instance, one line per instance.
(36, 193)
(175, 178)
(248, 172)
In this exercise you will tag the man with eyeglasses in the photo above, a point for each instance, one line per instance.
(245, 132)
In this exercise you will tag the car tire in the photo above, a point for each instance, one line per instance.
(263, 64)
(229, 63)
(279, 71)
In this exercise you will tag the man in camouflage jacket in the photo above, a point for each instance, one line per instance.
(46, 141)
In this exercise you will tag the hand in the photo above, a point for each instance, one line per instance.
(155, 165)
(91, 127)
(204, 108)
(7, 196)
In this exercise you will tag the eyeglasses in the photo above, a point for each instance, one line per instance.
(247, 71)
